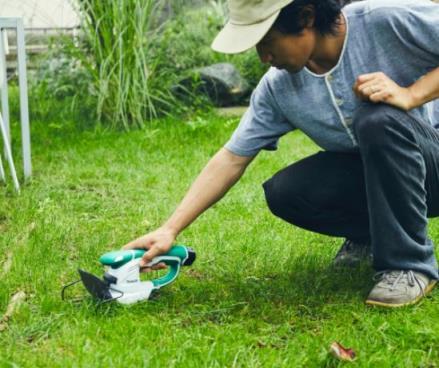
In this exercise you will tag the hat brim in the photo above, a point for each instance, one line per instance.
(236, 38)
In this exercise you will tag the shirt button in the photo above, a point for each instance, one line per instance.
(330, 77)
(339, 101)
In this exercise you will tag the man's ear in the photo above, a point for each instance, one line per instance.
(308, 16)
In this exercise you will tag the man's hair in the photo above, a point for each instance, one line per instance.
(294, 17)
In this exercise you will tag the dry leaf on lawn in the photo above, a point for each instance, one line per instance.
(341, 352)
(16, 300)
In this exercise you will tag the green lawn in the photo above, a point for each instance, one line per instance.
(261, 293)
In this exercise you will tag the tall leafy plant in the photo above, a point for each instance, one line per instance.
(117, 48)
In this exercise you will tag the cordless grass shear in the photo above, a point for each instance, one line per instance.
(121, 281)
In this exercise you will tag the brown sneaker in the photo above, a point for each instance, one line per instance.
(397, 288)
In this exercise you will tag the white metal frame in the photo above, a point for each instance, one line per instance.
(17, 25)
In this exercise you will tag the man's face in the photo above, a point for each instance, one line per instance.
(289, 52)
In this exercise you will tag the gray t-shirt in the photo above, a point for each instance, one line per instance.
(397, 37)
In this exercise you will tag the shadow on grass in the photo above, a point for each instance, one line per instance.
(306, 280)
(310, 290)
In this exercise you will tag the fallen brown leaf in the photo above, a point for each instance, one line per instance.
(16, 300)
(6, 266)
(342, 353)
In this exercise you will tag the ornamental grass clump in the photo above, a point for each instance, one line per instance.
(117, 49)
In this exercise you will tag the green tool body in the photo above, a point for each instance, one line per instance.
(178, 255)
(121, 280)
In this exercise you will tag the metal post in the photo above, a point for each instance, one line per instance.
(9, 154)
(4, 81)
(25, 129)
(2, 171)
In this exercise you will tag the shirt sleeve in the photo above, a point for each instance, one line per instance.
(418, 28)
(261, 126)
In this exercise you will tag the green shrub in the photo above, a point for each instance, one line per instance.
(117, 52)
(130, 56)
(60, 86)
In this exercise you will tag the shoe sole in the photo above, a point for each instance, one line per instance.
(428, 289)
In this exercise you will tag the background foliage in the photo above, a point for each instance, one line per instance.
(130, 56)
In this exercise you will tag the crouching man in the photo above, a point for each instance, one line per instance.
(361, 83)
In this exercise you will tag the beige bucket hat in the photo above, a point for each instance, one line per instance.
(249, 21)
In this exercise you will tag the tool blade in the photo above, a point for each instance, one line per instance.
(95, 286)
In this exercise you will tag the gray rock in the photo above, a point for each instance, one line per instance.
(222, 83)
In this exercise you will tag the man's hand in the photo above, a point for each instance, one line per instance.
(156, 243)
(378, 87)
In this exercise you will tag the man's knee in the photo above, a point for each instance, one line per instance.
(273, 195)
(288, 198)
(372, 123)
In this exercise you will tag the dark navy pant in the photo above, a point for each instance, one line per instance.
(384, 193)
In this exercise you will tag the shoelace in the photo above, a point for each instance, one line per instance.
(392, 278)
(349, 245)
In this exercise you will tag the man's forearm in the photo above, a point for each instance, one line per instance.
(425, 89)
(219, 175)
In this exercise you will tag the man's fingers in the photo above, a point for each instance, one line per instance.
(368, 77)
(366, 89)
(371, 87)
(157, 267)
(160, 266)
(379, 97)
(150, 254)
(140, 243)
(368, 84)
